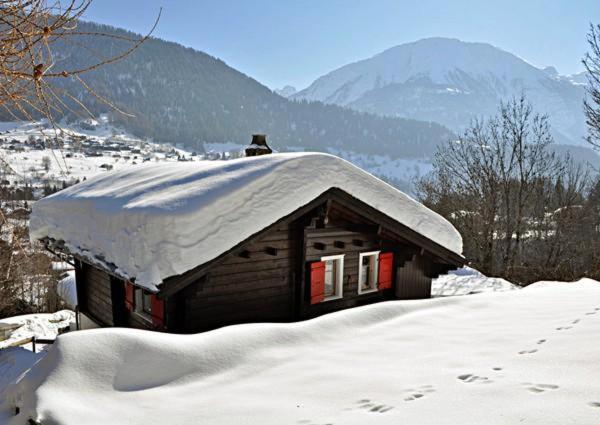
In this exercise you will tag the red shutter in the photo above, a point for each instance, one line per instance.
(386, 265)
(129, 296)
(158, 311)
(317, 282)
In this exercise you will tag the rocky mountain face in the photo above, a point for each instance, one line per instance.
(450, 82)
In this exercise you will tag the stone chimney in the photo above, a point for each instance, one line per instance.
(258, 146)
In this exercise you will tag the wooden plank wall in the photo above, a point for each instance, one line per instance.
(327, 239)
(98, 296)
(257, 285)
(412, 281)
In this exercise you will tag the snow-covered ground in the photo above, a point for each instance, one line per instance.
(112, 149)
(41, 325)
(467, 281)
(528, 356)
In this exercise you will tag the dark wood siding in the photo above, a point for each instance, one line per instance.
(254, 283)
(412, 279)
(265, 278)
(335, 241)
(98, 300)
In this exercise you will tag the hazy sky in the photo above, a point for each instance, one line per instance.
(282, 42)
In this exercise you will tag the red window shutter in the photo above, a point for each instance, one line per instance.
(129, 296)
(158, 311)
(317, 282)
(386, 265)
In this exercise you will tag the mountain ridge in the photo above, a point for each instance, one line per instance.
(450, 81)
(183, 96)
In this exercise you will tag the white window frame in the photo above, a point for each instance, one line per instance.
(339, 284)
(360, 271)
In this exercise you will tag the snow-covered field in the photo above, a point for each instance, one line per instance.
(527, 356)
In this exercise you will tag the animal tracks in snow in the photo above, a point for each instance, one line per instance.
(594, 404)
(564, 328)
(528, 351)
(539, 388)
(469, 378)
(415, 394)
(372, 407)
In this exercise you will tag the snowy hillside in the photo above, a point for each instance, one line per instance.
(450, 81)
(527, 356)
(88, 148)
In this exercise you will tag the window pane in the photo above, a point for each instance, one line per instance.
(372, 271)
(330, 274)
(365, 272)
(147, 303)
(138, 300)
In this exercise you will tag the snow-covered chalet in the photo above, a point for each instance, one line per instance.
(188, 247)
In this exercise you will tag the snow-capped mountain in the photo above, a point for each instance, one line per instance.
(286, 91)
(450, 81)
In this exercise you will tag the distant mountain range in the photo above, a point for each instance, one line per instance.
(450, 82)
(180, 95)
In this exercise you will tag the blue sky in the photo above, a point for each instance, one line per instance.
(293, 42)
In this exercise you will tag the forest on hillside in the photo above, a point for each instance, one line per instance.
(180, 95)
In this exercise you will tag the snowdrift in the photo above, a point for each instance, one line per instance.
(497, 358)
(158, 220)
(467, 280)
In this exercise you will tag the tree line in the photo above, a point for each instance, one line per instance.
(525, 213)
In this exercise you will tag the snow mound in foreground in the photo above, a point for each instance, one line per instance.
(466, 281)
(498, 358)
(154, 221)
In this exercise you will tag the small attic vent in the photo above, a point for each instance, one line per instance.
(258, 146)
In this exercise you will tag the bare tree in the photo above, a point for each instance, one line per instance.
(488, 183)
(28, 31)
(591, 104)
(29, 73)
(46, 163)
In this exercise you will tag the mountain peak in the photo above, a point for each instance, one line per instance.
(449, 81)
(286, 91)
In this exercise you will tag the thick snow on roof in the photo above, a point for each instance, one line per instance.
(158, 220)
(528, 356)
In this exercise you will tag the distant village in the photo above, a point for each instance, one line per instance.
(34, 163)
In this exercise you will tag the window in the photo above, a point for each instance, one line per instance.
(143, 302)
(368, 269)
(334, 276)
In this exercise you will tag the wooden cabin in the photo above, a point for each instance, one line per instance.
(331, 253)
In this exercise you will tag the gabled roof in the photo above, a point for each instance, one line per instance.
(154, 221)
